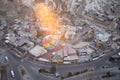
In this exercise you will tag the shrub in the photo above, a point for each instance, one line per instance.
(77, 73)
(43, 71)
(53, 69)
(23, 72)
(69, 74)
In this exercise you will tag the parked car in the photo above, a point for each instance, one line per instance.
(66, 62)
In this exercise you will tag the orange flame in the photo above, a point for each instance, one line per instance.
(47, 17)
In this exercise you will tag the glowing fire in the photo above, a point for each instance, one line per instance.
(47, 17)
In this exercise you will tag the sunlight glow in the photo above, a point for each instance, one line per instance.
(47, 17)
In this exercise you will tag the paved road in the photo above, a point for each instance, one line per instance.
(35, 74)
(14, 62)
(4, 74)
(30, 65)
(78, 67)
(90, 75)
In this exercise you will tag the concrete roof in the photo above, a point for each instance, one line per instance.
(37, 51)
(72, 57)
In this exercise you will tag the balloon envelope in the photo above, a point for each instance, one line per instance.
(50, 43)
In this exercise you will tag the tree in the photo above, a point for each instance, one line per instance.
(70, 74)
(77, 73)
(23, 71)
(40, 70)
(62, 78)
(111, 59)
(43, 71)
(53, 69)
(3, 68)
(108, 73)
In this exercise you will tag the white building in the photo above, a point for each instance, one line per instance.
(10, 37)
(80, 44)
(23, 41)
(27, 3)
(44, 59)
(83, 59)
(60, 53)
(71, 58)
(70, 31)
(103, 37)
(37, 51)
(89, 50)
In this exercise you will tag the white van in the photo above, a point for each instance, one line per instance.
(12, 73)
(57, 74)
(6, 58)
(66, 62)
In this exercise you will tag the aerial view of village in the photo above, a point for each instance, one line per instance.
(59, 39)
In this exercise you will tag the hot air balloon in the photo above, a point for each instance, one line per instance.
(51, 43)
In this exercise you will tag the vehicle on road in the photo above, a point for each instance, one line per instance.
(6, 58)
(17, 55)
(12, 73)
(57, 74)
